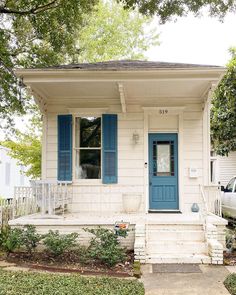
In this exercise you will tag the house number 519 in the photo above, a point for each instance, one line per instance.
(163, 111)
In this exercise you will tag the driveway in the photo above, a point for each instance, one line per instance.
(208, 282)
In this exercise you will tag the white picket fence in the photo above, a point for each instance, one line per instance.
(42, 197)
(16, 207)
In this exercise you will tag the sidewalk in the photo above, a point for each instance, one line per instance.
(209, 282)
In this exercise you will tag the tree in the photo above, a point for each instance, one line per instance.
(35, 33)
(109, 33)
(223, 112)
(26, 147)
(166, 9)
(114, 33)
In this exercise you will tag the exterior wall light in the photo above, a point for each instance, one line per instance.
(135, 137)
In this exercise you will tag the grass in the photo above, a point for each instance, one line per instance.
(230, 283)
(26, 283)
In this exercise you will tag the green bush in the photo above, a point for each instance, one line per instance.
(30, 238)
(230, 283)
(12, 239)
(58, 244)
(105, 247)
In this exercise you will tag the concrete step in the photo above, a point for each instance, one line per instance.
(179, 258)
(175, 235)
(171, 227)
(180, 247)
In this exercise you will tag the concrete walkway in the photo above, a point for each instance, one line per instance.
(209, 282)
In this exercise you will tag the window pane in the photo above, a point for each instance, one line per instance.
(163, 158)
(88, 164)
(90, 132)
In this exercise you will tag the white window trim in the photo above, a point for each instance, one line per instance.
(79, 115)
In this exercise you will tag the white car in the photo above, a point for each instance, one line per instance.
(229, 199)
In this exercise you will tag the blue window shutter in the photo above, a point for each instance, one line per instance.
(109, 153)
(64, 166)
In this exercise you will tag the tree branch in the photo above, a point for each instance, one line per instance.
(34, 10)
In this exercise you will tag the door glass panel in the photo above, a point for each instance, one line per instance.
(163, 158)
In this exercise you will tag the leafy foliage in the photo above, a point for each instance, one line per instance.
(58, 244)
(30, 238)
(35, 33)
(105, 246)
(42, 283)
(28, 153)
(12, 240)
(230, 283)
(112, 33)
(166, 10)
(223, 112)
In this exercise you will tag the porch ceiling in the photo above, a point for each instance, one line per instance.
(70, 86)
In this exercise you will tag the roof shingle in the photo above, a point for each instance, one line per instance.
(120, 65)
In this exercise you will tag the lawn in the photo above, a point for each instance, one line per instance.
(230, 283)
(26, 283)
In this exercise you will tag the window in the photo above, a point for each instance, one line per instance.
(88, 147)
(163, 158)
(230, 186)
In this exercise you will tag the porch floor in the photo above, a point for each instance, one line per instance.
(110, 219)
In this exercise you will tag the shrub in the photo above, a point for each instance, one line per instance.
(105, 247)
(12, 239)
(30, 238)
(230, 283)
(58, 244)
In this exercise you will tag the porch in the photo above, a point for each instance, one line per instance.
(193, 237)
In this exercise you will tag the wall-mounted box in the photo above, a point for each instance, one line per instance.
(193, 172)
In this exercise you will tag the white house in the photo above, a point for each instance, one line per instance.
(223, 168)
(11, 174)
(132, 141)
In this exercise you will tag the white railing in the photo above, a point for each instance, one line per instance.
(44, 197)
(52, 197)
(211, 203)
(213, 199)
(204, 211)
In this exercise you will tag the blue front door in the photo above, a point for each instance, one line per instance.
(163, 171)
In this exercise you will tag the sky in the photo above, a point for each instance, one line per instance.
(202, 40)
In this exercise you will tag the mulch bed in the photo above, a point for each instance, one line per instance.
(230, 258)
(70, 263)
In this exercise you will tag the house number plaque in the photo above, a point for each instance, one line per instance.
(163, 111)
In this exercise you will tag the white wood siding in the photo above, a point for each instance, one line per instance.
(103, 198)
(226, 168)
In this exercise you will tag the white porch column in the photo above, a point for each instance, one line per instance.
(44, 147)
(206, 137)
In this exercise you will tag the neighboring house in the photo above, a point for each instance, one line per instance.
(132, 140)
(11, 174)
(223, 168)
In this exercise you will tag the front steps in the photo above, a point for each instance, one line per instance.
(172, 241)
(176, 243)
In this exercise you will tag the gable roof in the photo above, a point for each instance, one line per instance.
(129, 65)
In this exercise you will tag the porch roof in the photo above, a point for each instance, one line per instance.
(123, 83)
